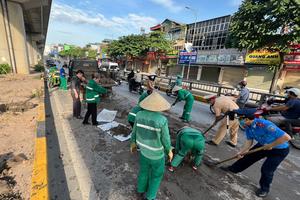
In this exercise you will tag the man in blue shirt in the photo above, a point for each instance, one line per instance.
(63, 79)
(276, 148)
(243, 97)
(290, 112)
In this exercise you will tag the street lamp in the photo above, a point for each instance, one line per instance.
(193, 36)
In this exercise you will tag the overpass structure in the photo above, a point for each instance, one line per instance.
(23, 31)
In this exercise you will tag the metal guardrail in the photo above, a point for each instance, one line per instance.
(197, 87)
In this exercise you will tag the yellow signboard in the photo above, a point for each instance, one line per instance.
(263, 57)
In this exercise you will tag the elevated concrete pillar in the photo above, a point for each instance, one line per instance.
(17, 27)
(4, 49)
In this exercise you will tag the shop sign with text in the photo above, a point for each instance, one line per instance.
(263, 58)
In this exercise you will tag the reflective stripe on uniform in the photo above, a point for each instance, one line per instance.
(187, 95)
(92, 99)
(97, 95)
(148, 147)
(87, 87)
(132, 114)
(148, 127)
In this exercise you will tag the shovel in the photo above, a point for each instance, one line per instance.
(216, 163)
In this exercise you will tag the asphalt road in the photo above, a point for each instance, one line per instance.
(96, 164)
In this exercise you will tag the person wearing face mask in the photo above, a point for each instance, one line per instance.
(289, 112)
(275, 146)
(243, 97)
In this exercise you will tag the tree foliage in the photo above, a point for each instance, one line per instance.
(78, 52)
(265, 24)
(133, 46)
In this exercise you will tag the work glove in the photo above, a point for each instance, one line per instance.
(132, 147)
(170, 154)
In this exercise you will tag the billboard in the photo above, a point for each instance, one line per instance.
(263, 57)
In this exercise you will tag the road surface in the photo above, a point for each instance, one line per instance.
(96, 166)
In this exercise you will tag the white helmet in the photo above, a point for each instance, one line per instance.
(296, 91)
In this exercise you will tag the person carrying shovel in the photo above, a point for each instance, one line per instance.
(272, 144)
(151, 134)
(224, 104)
(188, 140)
(184, 95)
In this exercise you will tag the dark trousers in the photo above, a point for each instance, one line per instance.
(91, 110)
(76, 107)
(289, 123)
(274, 158)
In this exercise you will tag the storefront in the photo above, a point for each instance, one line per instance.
(224, 66)
(258, 74)
(290, 75)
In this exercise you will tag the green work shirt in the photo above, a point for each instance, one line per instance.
(191, 132)
(92, 92)
(132, 113)
(143, 96)
(151, 134)
(184, 95)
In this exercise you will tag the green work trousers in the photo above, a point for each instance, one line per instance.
(150, 175)
(189, 143)
(63, 83)
(186, 115)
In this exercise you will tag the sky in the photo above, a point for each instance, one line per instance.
(80, 22)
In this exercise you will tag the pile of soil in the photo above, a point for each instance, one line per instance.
(20, 95)
(120, 130)
(7, 179)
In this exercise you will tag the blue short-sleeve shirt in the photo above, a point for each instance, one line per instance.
(265, 132)
(294, 109)
(62, 72)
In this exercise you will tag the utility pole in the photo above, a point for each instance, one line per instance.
(193, 37)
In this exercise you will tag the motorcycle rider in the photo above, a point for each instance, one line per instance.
(138, 77)
(289, 112)
(243, 96)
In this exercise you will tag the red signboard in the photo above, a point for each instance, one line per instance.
(151, 56)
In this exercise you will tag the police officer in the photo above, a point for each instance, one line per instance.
(184, 95)
(275, 149)
(188, 140)
(151, 134)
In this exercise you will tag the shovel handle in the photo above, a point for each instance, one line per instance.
(247, 153)
(214, 124)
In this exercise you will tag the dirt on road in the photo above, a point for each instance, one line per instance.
(113, 169)
(20, 95)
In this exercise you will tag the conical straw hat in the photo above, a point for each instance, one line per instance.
(155, 102)
(176, 88)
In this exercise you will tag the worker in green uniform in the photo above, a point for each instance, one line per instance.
(93, 89)
(151, 134)
(144, 95)
(189, 101)
(132, 114)
(178, 81)
(188, 140)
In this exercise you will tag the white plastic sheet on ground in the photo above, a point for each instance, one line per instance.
(107, 126)
(106, 115)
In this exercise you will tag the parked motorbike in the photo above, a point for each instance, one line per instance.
(135, 86)
(170, 88)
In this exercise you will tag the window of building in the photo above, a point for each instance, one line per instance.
(226, 26)
(222, 27)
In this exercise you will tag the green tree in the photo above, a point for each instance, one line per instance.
(265, 24)
(272, 25)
